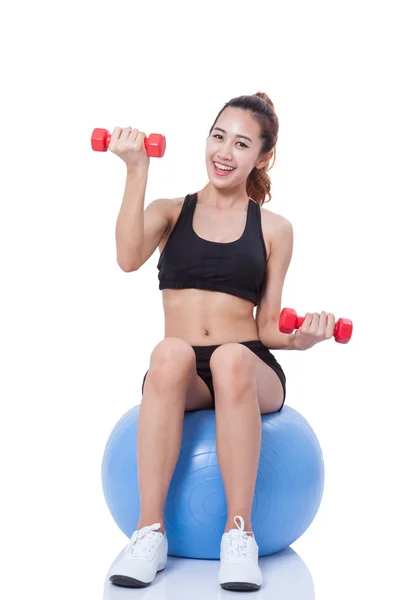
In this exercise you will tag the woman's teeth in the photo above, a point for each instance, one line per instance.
(222, 169)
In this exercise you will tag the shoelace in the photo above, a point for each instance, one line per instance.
(238, 538)
(137, 542)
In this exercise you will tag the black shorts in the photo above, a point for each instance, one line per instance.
(203, 355)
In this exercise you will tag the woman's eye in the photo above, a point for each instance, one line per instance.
(218, 135)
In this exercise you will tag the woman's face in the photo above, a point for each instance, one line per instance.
(234, 142)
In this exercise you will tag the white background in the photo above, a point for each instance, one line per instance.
(77, 332)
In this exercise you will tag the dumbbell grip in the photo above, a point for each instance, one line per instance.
(346, 329)
(155, 144)
(147, 143)
(300, 321)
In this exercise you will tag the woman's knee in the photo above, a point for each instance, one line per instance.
(172, 360)
(233, 364)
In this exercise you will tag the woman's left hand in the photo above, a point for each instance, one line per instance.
(316, 328)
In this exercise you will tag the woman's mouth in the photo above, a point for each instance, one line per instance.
(221, 170)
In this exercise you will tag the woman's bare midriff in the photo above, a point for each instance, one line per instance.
(202, 317)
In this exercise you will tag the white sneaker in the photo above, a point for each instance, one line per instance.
(239, 568)
(143, 557)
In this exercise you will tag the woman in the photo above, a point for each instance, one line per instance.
(221, 254)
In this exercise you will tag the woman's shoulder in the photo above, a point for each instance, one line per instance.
(176, 205)
(174, 208)
(273, 221)
(276, 229)
(177, 202)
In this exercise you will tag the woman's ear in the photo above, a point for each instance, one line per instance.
(263, 160)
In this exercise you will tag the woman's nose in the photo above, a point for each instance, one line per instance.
(225, 152)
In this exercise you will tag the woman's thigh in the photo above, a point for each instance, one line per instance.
(250, 359)
(198, 395)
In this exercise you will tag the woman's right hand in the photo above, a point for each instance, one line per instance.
(128, 144)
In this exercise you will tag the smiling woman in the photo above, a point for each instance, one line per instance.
(221, 254)
(261, 109)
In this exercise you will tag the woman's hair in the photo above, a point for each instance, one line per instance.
(261, 107)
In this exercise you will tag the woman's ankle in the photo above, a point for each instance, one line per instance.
(147, 522)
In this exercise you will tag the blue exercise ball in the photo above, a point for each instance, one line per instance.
(287, 496)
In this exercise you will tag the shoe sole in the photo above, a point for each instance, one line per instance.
(240, 586)
(130, 582)
(123, 581)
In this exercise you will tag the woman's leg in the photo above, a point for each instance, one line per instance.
(238, 376)
(171, 387)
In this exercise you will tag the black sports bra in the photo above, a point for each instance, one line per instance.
(237, 268)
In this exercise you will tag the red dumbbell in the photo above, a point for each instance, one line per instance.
(155, 144)
(289, 321)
